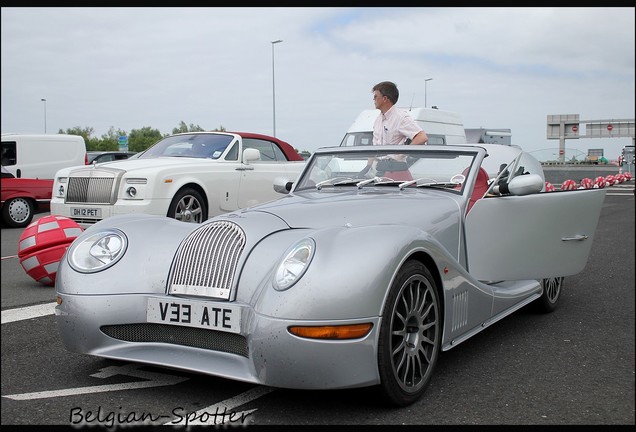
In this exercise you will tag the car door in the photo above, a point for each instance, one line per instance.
(547, 234)
(225, 178)
(257, 177)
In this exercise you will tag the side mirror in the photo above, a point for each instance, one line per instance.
(521, 185)
(251, 154)
(282, 185)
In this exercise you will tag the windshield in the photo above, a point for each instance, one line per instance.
(414, 168)
(357, 139)
(366, 138)
(209, 146)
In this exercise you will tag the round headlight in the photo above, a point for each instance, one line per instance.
(294, 264)
(98, 251)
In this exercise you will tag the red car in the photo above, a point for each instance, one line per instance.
(22, 198)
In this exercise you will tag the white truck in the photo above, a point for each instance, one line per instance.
(441, 127)
(41, 155)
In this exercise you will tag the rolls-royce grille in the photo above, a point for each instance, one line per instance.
(189, 336)
(206, 261)
(94, 190)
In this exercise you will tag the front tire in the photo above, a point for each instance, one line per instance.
(188, 206)
(18, 212)
(410, 335)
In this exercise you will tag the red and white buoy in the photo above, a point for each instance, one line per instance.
(43, 244)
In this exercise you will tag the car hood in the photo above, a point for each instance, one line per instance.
(321, 209)
(160, 162)
(352, 222)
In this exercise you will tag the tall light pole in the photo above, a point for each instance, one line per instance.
(274, 85)
(425, 82)
(44, 100)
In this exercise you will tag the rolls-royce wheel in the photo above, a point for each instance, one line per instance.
(188, 206)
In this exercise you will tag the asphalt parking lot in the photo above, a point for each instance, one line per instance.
(572, 367)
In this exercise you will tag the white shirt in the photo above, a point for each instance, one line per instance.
(394, 127)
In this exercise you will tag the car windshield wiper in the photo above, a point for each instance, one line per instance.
(378, 181)
(336, 181)
(434, 183)
(340, 181)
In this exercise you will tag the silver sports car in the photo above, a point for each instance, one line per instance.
(373, 262)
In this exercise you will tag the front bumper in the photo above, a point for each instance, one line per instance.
(271, 356)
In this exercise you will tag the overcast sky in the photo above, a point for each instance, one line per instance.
(135, 67)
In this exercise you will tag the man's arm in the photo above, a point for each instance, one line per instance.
(419, 138)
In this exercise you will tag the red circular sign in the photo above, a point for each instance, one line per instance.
(610, 127)
(561, 152)
(574, 128)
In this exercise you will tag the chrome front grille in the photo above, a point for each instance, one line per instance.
(206, 262)
(92, 190)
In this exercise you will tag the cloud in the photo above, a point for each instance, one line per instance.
(135, 67)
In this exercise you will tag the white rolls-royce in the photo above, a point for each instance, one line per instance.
(189, 177)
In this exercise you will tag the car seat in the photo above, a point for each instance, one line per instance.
(481, 186)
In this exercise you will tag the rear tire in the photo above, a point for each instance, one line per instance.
(188, 206)
(18, 212)
(551, 294)
(410, 335)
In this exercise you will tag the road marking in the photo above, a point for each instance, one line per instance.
(220, 413)
(210, 415)
(155, 379)
(10, 256)
(24, 313)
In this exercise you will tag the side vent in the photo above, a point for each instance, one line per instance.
(460, 310)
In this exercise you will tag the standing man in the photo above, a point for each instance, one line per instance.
(393, 125)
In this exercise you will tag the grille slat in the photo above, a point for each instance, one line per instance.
(188, 336)
(206, 262)
(90, 190)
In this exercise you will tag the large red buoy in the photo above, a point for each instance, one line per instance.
(42, 245)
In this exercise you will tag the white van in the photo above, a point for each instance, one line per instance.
(441, 127)
(41, 155)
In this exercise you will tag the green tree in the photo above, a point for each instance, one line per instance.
(141, 139)
(109, 141)
(184, 128)
(138, 140)
(83, 132)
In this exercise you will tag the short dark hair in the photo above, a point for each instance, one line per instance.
(388, 89)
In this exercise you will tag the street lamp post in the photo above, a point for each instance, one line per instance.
(44, 100)
(274, 86)
(425, 82)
